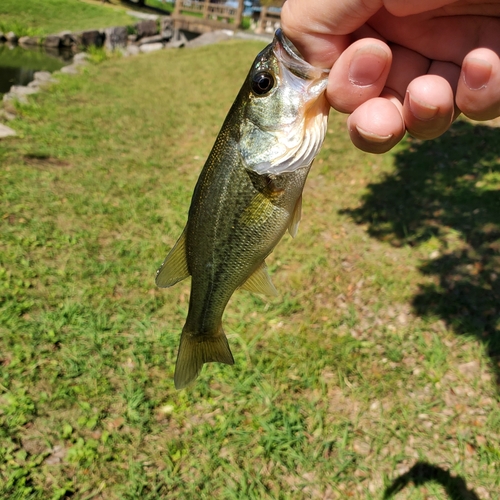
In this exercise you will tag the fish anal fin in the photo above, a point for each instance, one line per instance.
(293, 227)
(174, 268)
(260, 282)
(195, 351)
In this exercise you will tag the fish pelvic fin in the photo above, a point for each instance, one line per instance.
(175, 267)
(295, 220)
(195, 351)
(260, 282)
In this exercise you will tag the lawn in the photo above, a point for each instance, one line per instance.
(373, 375)
(35, 17)
(160, 5)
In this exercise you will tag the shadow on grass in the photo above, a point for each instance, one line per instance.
(423, 472)
(445, 194)
(142, 6)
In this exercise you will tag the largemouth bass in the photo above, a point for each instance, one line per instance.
(248, 194)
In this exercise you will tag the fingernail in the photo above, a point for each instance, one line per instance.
(371, 136)
(367, 65)
(476, 73)
(420, 109)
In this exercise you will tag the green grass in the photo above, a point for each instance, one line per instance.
(33, 17)
(158, 4)
(373, 375)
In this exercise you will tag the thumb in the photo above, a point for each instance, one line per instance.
(321, 29)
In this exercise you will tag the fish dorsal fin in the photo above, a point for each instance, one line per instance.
(260, 282)
(175, 268)
(293, 227)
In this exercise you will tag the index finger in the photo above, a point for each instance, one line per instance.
(321, 30)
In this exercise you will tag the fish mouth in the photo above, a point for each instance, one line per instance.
(292, 59)
(290, 48)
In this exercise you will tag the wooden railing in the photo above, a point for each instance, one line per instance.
(211, 11)
(269, 21)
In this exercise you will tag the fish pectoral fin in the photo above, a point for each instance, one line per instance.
(260, 282)
(293, 227)
(174, 268)
(195, 351)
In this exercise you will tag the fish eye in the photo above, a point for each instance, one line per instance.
(262, 83)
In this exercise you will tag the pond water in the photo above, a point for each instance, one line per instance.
(18, 65)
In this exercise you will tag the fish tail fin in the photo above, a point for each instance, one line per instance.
(195, 351)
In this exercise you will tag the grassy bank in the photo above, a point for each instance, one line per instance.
(160, 5)
(32, 17)
(373, 375)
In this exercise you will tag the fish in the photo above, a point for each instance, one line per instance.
(249, 193)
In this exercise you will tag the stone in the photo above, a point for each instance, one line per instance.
(252, 36)
(52, 41)
(66, 38)
(42, 79)
(209, 38)
(146, 28)
(166, 23)
(11, 37)
(115, 37)
(6, 131)
(150, 39)
(176, 44)
(91, 37)
(43, 76)
(69, 70)
(78, 39)
(9, 101)
(21, 91)
(167, 34)
(4, 114)
(179, 41)
(29, 40)
(80, 57)
(132, 38)
(151, 47)
(132, 50)
(79, 62)
(17, 93)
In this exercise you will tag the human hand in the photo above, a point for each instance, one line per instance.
(402, 65)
